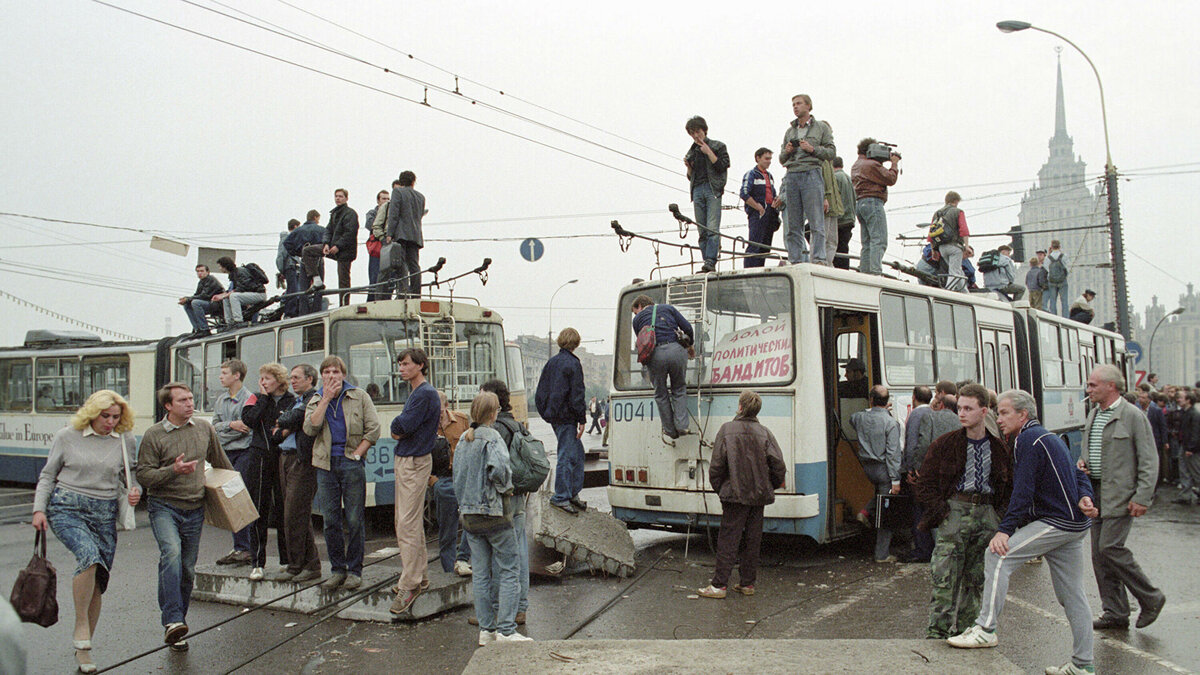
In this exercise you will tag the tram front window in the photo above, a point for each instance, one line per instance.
(744, 337)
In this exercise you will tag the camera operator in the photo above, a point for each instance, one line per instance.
(871, 181)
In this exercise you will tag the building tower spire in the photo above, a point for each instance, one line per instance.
(1060, 108)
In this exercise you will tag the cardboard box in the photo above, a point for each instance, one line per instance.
(227, 502)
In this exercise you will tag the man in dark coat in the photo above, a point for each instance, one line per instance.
(404, 214)
(559, 400)
(341, 240)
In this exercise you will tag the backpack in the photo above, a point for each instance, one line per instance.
(257, 272)
(646, 340)
(440, 455)
(989, 261)
(1056, 270)
(944, 228)
(528, 458)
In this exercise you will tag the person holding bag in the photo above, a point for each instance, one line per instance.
(483, 485)
(86, 474)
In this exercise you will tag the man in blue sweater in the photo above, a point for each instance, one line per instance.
(1048, 515)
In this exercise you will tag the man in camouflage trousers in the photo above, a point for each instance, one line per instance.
(964, 482)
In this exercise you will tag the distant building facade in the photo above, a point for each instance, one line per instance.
(597, 368)
(1176, 349)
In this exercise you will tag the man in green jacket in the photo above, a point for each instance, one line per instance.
(1120, 457)
(845, 222)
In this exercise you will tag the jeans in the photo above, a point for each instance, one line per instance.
(178, 535)
(1057, 292)
(448, 528)
(873, 219)
(952, 257)
(499, 550)
(844, 234)
(242, 461)
(804, 194)
(236, 301)
(373, 275)
(708, 219)
(342, 493)
(197, 313)
(292, 306)
(520, 502)
(568, 471)
(669, 360)
(831, 241)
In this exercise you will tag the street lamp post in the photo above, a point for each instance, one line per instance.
(1110, 179)
(550, 328)
(1150, 355)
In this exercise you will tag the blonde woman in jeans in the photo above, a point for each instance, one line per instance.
(77, 496)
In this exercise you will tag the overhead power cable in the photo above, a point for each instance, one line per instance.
(63, 317)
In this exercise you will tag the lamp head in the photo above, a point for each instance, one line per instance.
(1178, 310)
(1013, 26)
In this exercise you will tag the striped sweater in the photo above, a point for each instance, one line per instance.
(1047, 485)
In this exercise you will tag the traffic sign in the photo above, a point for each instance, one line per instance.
(532, 249)
(1135, 349)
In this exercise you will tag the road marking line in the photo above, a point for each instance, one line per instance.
(1123, 646)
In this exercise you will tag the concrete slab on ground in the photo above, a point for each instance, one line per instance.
(231, 585)
(590, 537)
(598, 657)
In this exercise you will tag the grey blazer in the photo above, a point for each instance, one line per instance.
(1128, 460)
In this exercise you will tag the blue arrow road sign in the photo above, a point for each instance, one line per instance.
(532, 249)
(1135, 349)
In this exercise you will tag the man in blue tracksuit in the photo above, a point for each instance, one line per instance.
(758, 191)
(1049, 515)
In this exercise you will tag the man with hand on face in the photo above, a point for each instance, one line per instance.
(707, 162)
(963, 486)
(344, 424)
(170, 468)
(1048, 515)
(1121, 459)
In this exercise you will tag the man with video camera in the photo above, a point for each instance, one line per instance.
(871, 181)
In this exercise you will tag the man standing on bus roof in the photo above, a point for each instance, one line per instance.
(762, 200)
(668, 362)
(879, 452)
(1121, 459)
(341, 239)
(871, 181)
(198, 306)
(963, 486)
(560, 402)
(414, 429)
(805, 144)
(845, 221)
(344, 424)
(235, 439)
(404, 213)
(707, 162)
(170, 467)
(956, 242)
(289, 271)
(1047, 516)
(311, 266)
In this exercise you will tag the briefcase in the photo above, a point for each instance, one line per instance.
(33, 596)
(891, 511)
(391, 257)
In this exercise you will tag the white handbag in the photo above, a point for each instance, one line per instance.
(126, 518)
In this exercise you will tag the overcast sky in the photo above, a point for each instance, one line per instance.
(113, 119)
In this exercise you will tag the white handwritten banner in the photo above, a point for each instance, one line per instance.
(754, 355)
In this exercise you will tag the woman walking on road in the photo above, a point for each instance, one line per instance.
(77, 498)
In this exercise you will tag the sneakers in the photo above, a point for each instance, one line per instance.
(404, 601)
(235, 558)
(317, 285)
(863, 518)
(744, 590)
(306, 575)
(486, 637)
(515, 637)
(334, 581)
(462, 568)
(181, 646)
(889, 559)
(974, 637)
(353, 581)
(707, 267)
(174, 632)
(1070, 669)
(579, 503)
(711, 591)
(256, 574)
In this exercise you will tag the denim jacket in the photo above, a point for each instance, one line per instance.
(482, 475)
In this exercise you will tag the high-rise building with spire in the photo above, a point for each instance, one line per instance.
(1061, 206)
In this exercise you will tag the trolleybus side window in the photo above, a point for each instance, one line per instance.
(954, 329)
(216, 353)
(1071, 375)
(16, 385)
(256, 351)
(302, 344)
(106, 372)
(57, 384)
(907, 340)
(1051, 356)
(189, 369)
(1006, 366)
(989, 364)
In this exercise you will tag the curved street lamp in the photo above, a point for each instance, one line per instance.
(550, 328)
(1110, 179)
(1150, 355)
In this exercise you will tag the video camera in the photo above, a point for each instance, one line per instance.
(881, 152)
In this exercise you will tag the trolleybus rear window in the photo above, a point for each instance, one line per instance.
(16, 385)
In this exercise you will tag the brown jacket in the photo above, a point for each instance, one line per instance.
(747, 464)
(871, 179)
(943, 467)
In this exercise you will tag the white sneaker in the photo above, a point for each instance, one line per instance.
(515, 637)
(486, 637)
(974, 638)
(1070, 669)
(462, 568)
(256, 574)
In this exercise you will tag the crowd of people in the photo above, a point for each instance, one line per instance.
(301, 435)
(393, 247)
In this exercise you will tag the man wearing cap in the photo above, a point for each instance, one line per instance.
(1035, 280)
(1081, 309)
(855, 384)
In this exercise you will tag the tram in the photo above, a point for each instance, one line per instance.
(45, 380)
(787, 333)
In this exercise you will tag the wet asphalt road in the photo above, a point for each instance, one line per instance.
(831, 592)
